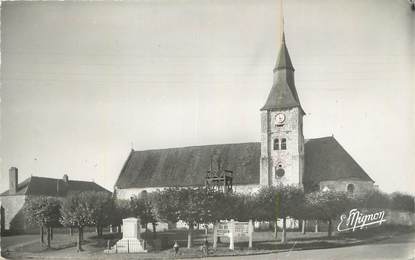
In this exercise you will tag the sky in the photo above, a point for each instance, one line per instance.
(84, 82)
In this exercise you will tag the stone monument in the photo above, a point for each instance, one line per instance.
(130, 242)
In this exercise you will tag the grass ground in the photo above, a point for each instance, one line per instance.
(63, 245)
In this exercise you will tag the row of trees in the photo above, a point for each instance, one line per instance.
(75, 211)
(200, 206)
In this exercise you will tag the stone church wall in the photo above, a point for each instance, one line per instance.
(341, 185)
(245, 189)
(126, 194)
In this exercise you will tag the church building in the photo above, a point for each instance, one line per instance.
(282, 156)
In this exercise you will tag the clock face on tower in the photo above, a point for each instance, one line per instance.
(279, 118)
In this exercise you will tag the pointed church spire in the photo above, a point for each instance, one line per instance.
(283, 94)
(284, 60)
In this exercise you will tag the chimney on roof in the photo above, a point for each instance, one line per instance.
(13, 180)
(65, 178)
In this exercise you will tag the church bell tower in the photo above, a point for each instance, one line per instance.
(282, 139)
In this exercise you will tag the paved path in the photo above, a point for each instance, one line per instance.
(15, 240)
(401, 247)
(16, 246)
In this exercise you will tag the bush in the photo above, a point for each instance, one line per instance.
(374, 200)
(403, 202)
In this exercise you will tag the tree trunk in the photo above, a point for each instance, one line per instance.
(70, 231)
(275, 229)
(78, 243)
(316, 227)
(48, 236)
(154, 229)
(51, 233)
(329, 229)
(284, 230)
(41, 236)
(303, 226)
(99, 230)
(189, 236)
(82, 234)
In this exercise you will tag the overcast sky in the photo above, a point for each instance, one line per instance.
(84, 81)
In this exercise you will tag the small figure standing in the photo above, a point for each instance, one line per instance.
(176, 248)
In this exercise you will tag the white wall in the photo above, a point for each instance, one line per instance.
(126, 194)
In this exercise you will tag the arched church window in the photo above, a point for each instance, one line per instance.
(350, 188)
(283, 144)
(276, 144)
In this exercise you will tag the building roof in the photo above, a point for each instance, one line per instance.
(325, 159)
(42, 186)
(188, 166)
(283, 94)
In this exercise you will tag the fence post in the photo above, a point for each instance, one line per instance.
(231, 226)
(116, 249)
(250, 233)
(128, 246)
(215, 235)
(316, 227)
